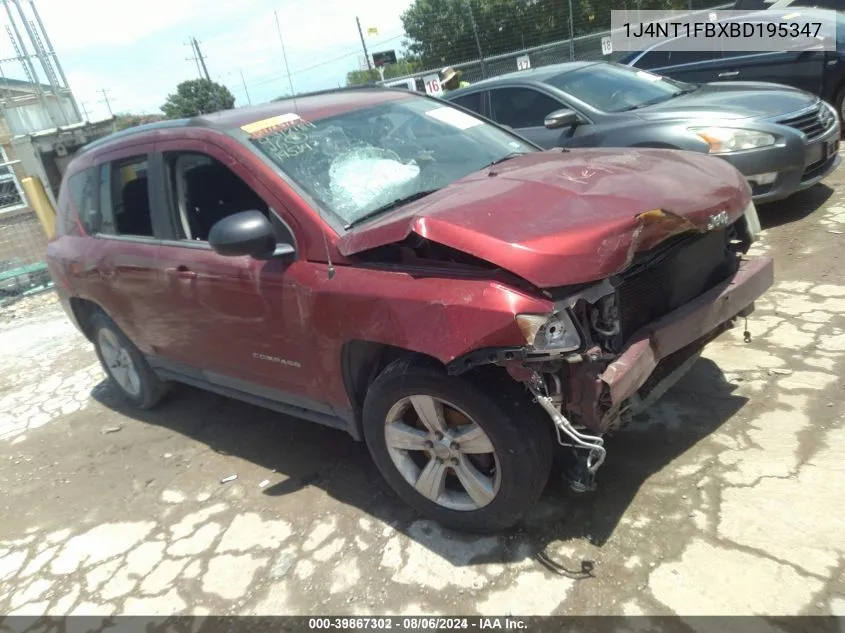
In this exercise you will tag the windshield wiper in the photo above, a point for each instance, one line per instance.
(390, 205)
(507, 156)
(652, 102)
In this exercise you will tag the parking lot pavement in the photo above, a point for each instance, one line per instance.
(725, 499)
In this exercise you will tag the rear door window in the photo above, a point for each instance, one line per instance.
(521, 107)
(470, 102)
(130, 197)
(82, 188)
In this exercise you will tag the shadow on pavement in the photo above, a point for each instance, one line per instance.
(312, 455)
(795, 208)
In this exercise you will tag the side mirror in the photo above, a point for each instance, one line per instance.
(561, 118)
(246, 233)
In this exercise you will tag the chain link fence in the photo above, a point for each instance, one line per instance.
(486, 38)
(22, 239)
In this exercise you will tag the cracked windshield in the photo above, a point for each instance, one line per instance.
(422, 315)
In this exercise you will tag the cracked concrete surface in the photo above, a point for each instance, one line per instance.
(726, 498)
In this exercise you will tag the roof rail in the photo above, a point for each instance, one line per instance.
(144, 127)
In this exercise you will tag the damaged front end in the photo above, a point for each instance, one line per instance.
(610, 349)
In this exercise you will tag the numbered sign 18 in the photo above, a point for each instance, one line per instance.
(606, 45)
(523, 62)
(432, 85)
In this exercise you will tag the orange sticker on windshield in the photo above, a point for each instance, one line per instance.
(260, 129)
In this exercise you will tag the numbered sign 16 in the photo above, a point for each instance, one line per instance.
(523, 62)
(432, 85)
(606, 45)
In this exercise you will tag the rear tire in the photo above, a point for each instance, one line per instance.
(125, 365)
(490, 463)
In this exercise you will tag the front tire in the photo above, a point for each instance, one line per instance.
(125, 365)
(452, 451)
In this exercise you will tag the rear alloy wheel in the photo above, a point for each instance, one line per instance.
(118, 363)
(125, 365)
(452, 451)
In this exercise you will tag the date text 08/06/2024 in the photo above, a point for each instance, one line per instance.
(417, 623)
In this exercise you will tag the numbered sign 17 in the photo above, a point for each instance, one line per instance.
(432, 85)
(606, 45)
(523, 62)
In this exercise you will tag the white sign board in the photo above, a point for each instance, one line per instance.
(523, 62)
(606, 45)
(432, 85)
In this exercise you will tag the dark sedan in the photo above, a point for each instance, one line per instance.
(782, 139)
(805, 65)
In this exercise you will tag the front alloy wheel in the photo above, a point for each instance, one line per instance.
(442, 452)
(468, 454)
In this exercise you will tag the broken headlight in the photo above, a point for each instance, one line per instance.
(549, 332)
(752, 222)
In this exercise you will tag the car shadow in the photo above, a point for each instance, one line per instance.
(794, 208)
(312, 455)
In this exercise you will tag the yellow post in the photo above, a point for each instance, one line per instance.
(40, 203)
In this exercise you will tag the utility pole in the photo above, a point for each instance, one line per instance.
(84, 109)
(364, 44)
(248, 100)
(193, 57)
(105, 100)
(201, 58)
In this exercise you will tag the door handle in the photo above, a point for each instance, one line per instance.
(732, 73)
(180, 272)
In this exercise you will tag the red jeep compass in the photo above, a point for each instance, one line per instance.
(394, 266)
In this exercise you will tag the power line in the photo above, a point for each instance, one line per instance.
(323, 63)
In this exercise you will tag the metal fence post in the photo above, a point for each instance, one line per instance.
(571, 34)
(477, 40)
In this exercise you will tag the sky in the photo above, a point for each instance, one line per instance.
(139, 52)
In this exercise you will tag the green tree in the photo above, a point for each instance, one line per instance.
(125, 120)
(440, 31)
(197, 96)
(401, 68)
(361, 77)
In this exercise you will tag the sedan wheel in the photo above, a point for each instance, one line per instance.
(442, 452)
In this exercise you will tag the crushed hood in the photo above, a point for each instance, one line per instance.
(560, 218)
